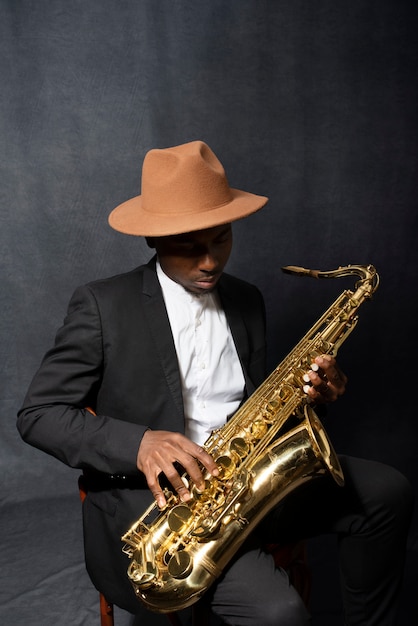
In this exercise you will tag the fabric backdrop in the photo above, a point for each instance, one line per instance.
(311, 103)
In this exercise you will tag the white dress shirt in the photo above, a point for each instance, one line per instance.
(211, 374)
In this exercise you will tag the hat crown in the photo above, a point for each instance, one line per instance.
(183, 179)
(184, 188)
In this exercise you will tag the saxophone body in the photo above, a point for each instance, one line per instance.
(271, 446)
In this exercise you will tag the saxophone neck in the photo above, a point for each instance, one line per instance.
(369, 278)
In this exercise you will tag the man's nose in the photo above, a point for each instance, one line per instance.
(208, 262)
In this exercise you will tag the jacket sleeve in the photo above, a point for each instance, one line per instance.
(54, 418)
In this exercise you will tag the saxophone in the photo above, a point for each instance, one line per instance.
(272, 445)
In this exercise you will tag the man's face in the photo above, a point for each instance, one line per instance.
(195, 260)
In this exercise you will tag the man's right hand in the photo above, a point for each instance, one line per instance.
(158, 453)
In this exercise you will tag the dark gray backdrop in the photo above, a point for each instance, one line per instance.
(313, 103)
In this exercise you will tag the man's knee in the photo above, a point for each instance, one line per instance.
(291, 612)
(396, 496)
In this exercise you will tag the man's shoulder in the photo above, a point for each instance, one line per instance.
(125, 280)
(114, 290)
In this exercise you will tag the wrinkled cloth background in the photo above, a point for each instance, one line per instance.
(311, 103)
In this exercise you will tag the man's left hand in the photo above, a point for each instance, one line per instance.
(327, 383)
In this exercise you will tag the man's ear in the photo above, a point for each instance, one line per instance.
(150, 242)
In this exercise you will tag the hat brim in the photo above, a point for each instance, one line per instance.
(131, 218)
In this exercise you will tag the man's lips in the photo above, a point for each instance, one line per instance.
(207, 281)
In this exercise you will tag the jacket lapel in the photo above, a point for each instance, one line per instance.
(159, 326)
(236, 323)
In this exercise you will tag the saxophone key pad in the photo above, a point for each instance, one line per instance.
(180, 564)
(179, 517)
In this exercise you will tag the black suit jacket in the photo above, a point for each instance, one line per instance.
(115, 353)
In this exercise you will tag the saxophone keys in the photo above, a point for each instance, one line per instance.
(230, 517)
(205, 527)
(285, 392)
(258, 428)
(179, 517)
(272, 406)
(239, 447)
(201, 496)
(144, 576)
(326, 347)
(310, 358)
(226, 466)
(298, 378)
(180, 564)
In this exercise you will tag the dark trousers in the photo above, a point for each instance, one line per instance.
(370, 516)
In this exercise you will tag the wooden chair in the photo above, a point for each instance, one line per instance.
(292, 558)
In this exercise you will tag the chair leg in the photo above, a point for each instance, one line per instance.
(106, 612)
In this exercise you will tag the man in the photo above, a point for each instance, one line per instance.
(166, 353)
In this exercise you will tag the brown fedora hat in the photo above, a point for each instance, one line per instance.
(184, 188)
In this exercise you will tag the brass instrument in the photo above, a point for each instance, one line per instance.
(273, 444)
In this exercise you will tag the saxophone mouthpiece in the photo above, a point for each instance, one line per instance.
(300, 271)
